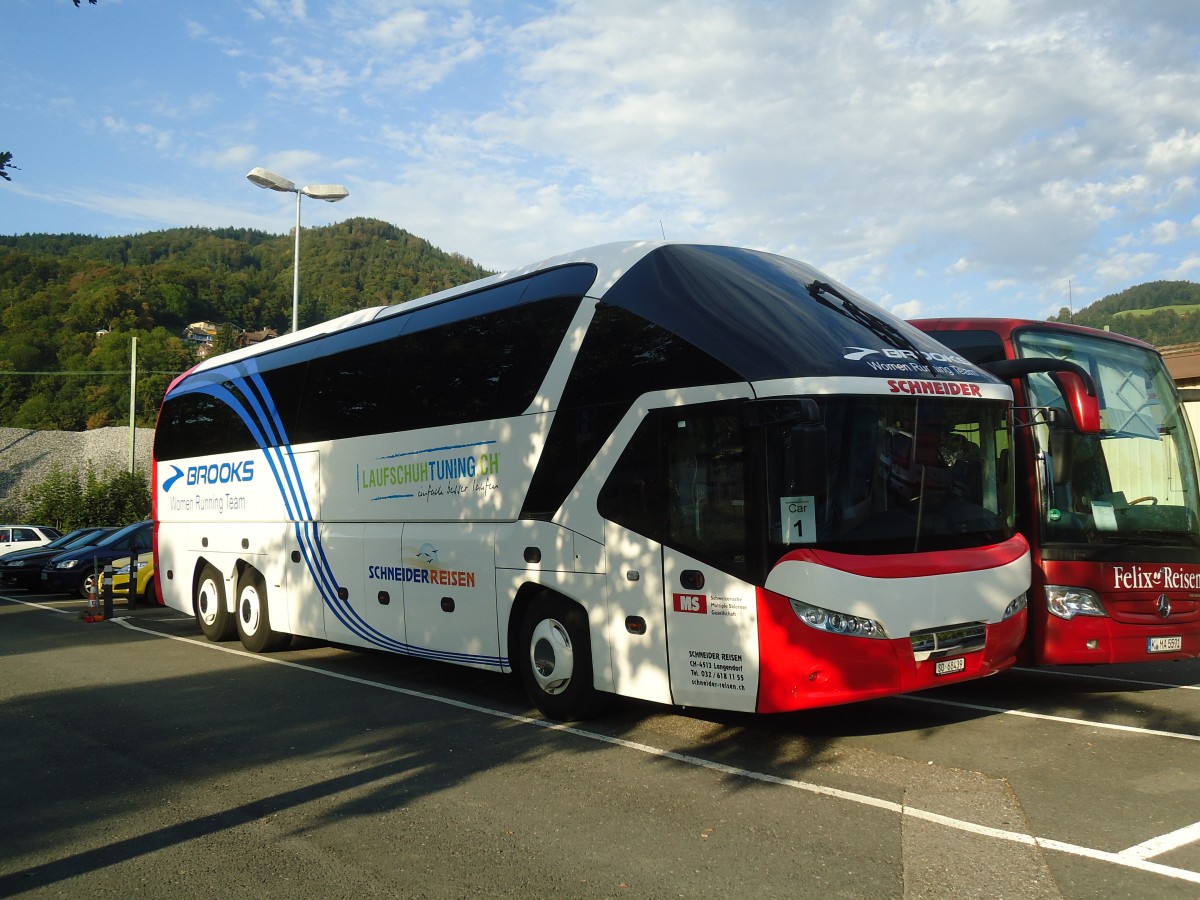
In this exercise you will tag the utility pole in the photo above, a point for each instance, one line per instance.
(132, 413)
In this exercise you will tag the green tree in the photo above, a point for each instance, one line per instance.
(68, 498)
(57, 500)
(70, 304)
(226, 339)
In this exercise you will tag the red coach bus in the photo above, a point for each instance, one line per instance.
(1111, 518)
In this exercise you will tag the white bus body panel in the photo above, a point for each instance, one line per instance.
(635, 589)
(908, 604)
(473, 472)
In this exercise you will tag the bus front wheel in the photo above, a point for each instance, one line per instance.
(212, 613)
(555, 658)
(253, 619)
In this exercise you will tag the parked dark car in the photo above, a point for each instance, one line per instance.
(23, 568)
(74, 571)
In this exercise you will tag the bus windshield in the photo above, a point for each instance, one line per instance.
(901, 475)
(1136, 480)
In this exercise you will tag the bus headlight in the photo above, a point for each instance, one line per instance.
(836, 622)
(1068, 602)
(1015, 605)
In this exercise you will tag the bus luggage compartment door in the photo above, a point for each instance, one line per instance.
(636, 630)
(450, 593)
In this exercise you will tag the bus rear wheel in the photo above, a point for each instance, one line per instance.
(253, 619)
(212, 613)
(555, 658)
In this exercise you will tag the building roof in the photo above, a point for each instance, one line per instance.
(1183, 362)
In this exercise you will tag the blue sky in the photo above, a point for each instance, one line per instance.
(944, 157)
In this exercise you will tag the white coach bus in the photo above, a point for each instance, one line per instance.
(697, 475)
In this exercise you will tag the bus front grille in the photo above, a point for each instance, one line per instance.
(935, 643)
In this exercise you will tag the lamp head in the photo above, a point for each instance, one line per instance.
(331, 193)
(267, 179)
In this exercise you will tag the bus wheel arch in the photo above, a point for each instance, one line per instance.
(210, 605)
(252, 617)
(553, 656)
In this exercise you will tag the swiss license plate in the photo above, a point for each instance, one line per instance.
(950, 666)
(1170, 644)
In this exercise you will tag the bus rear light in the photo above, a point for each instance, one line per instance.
(1069, 602)
(835, 622)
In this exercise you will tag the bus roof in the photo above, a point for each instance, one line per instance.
(1006, 327)
(763, 316)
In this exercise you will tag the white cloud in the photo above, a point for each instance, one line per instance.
(279, 10)
(1165, 232)
(910, 310)
(1179, 152)
(1125, 268)
(979, 151)
(402, 29)
(1185, 269)
(240, 155)
(300, 166)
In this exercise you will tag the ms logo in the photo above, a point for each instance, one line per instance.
(691, 603)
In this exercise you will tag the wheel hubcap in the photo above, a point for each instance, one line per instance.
(206, 604)
(552, 656)
(248, 609)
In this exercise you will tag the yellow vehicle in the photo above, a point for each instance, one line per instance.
(145, 578)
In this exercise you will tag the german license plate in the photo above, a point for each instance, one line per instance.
(950, 666)
(1170, 644)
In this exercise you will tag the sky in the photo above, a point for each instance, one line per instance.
(940, 157)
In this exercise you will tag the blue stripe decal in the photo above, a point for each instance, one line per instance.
(436, 449)
(241, 388)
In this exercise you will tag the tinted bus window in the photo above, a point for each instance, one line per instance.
(622, 357)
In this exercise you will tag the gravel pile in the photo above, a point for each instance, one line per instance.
(27, 457)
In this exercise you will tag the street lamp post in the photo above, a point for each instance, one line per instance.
(331, 193)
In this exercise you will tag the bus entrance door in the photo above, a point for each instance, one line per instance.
(712, 635)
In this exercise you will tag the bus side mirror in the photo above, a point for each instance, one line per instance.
(1084, 407)
(1073, 381)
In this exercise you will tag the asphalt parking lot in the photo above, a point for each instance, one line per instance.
(143, 760)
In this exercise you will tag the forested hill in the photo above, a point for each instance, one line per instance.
(1160, 312)
(70, 304)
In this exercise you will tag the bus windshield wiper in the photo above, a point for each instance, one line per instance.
(877, 326)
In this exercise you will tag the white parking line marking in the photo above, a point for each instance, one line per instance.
(1189, 834)
(1116, 678)
(1049, 718)
(1119, 859)
(38, 605)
